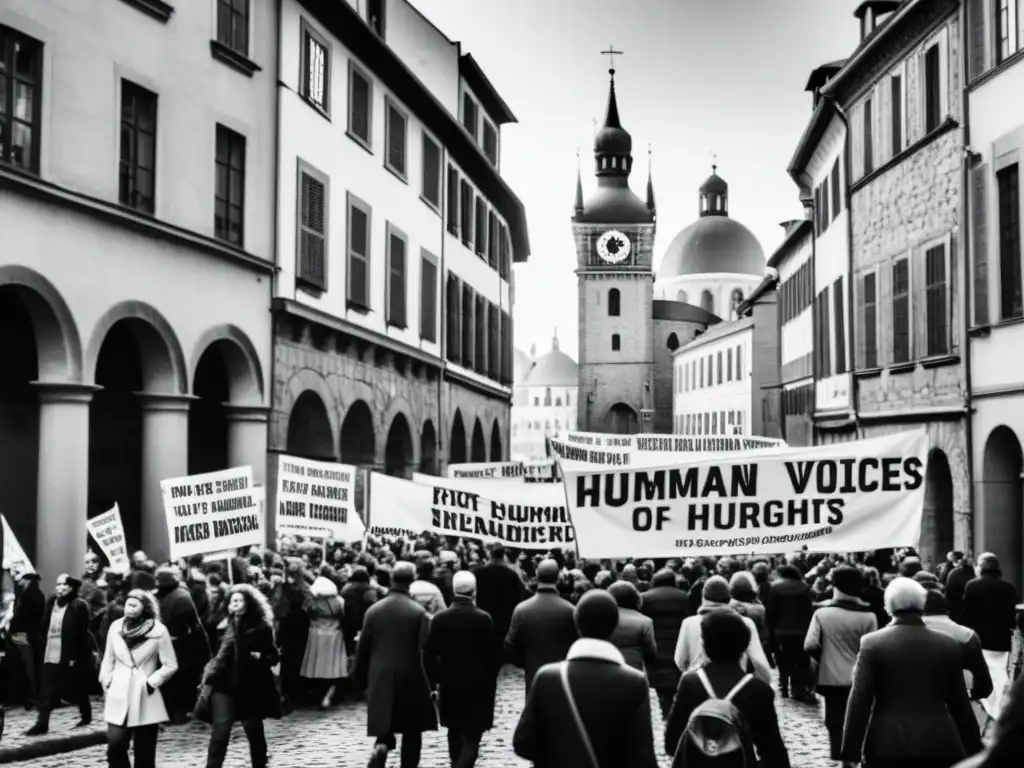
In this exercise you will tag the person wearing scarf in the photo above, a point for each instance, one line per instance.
(690, 654)
(67, 670)
(138, 658)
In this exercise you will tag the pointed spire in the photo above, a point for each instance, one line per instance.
(554, 341)
(650, 181)
(611, 115)
(577, 206)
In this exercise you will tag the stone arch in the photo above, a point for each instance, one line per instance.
(398, 448)
(621, 419)
(672, 342)
(309, 434)
(428, 449)
(358, 443)
(496, 452)
(399, 406)
(1002, 523)
(307, 379)
(478, 448)
(937, 517)
(457, 443)
(58, 343)
(682, 296)
(163, 363)
(241, 361)
(707, 301)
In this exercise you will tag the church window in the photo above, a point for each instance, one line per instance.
(547, 396)
(558, 425)
(613, 302)
(737, 299)
(719, 377)
(728, 364)
(703, 204)
(547, 426)
(707, 302)
(536, 401)
(615, 342)
(681, 296)
(567, 403)
(711, 370)
(673, 342)
(700, 381)
(739, 363)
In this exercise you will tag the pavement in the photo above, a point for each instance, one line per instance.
(337, 738)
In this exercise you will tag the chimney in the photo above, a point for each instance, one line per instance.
(787, 226)
(871, 13)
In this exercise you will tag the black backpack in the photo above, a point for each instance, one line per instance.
(716, 735)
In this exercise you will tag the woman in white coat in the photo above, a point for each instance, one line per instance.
(138, 659)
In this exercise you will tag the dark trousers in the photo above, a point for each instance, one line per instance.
(792, 662)
(223, 716)
(293, 689)
(835, 697)
(27, 657)
(50, 688)
(412, 745)
(118, 739)
(463, 748)
(666, 696)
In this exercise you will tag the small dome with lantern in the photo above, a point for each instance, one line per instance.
(555, 369)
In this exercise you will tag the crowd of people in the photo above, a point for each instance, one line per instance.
(913, 664)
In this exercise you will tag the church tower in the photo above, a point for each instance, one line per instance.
(614, 234)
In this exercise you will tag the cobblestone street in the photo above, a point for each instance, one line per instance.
(337, 739)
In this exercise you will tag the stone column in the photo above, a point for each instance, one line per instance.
(62, 493)
(247, 438)
(164, 455)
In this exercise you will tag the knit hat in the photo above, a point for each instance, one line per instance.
(716, 590)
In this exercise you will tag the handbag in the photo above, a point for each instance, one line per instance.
(587, 745)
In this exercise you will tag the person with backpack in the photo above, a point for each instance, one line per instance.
(722, 716)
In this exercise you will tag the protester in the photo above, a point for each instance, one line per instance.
(24, 630)
(592, 709)
(137, 660)
(726, 636)
(634, 634)
(289, 601)
(788, 616)
(424, 591)
(326, 658)
(389, 665)
(499, 590)
(956, 582)
(241, 677)
(94, 589)
(191, 646)
(462, 661)
(908, 704)
(667, 606)
(976, 674)
(744, 600)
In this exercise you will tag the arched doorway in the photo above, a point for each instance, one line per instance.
(398, 449)
(495, 442)
(478, 450)
(707, 302)
(133, 358)
(457, 445)
(937, 518)
(207, 417)
(428, 449)
(309, 429)
(1002, 524)
(358, 441)
(621, 420)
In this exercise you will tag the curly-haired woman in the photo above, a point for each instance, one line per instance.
(241, 676)
(138, 659)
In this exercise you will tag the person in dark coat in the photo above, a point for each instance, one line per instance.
(908, 704)
(191, 645)
(26, 619)
(462, 661)
(726, 637)
(289, 599)
(990, 606)
(667, 606)
(543, 628)
(242, 678)
(68, 654)
(499, 590)
(94, 589)
(612, 699)
(787, 616)
(956, 582)
(389, 665)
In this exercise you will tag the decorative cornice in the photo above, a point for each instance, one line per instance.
(54, 392)
(165, 402)
(256, 414)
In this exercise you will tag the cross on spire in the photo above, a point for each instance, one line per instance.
(611, 53)
(714, 163)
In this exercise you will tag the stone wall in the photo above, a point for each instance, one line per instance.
(664, 369)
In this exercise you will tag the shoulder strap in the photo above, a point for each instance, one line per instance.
(703, 677)
(738, 687)
(576, 716)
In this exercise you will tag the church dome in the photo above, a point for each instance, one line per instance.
(714, 185)
(555, 369)
(713, 244)
(522, 364)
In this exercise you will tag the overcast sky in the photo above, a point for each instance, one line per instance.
(696, 77)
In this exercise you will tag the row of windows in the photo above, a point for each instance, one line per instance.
(993, 43)
(710, 423)
(480, 127)
(795, 293)
(798, 401)
(719, 370)
(828, 199)
(537, 426)
(479, 334)
(472, 220)
(826, 363)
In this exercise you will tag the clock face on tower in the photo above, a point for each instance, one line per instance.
(613, 247)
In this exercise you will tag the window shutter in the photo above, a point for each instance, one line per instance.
(313, 231)
(481, 228)
(839, 301)
(859, 326)
(480, 336)
(493, 353)
(886, 149)
(976, 37)
(883, 313)
(492, 240)
(453, 201)
(453, 324)
(396, 281)
(428, 300)
(358, 257)
(979, 244)
(837, 194)
(468, 325)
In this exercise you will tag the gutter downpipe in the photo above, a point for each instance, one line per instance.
(965, 238)
(803, 181)
(442, 322)
(851, 327)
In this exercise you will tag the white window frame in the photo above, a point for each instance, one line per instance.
(465, 93)
(940, 38)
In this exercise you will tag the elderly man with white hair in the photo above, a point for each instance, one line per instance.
(462, 659)
(908, 705)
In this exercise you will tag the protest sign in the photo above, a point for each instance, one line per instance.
(317, 499)
(212, 512)
(702, 443)
(108, 531)
(495, 470)
(524, 516)
(844, 497)
(578, 452)
(14, 557)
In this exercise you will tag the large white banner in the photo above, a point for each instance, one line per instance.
(212, 512)
(317, 499)
(14, 557)
(107, 530)
(526, 516)
(582, 448)
(846, 497)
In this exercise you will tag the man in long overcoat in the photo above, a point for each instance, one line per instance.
(389, 665)
(462, 661)
(499, 591)
(667, 606)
